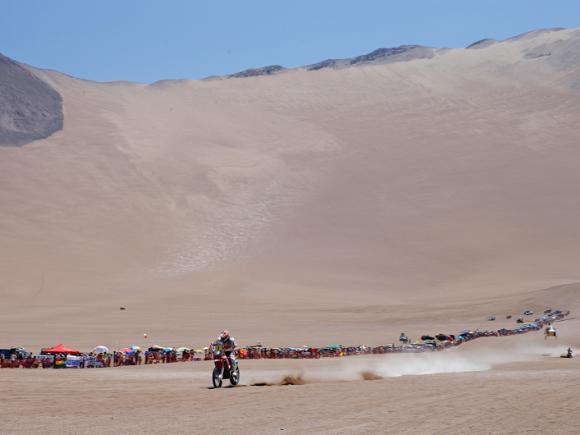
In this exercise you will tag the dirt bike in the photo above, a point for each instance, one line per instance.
(223, 369)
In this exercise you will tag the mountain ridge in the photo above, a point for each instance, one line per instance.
(401, 53)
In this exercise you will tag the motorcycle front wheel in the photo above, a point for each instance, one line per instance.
(216, 378)
(235, 377)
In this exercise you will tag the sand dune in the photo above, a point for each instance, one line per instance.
(415, 190)
(333, 200)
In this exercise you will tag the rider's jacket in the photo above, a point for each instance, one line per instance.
(229, 344)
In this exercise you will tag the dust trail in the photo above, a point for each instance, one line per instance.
(370, 376)
(376, 367)
(450, 361)
(294, 379)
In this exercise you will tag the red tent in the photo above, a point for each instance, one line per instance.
(59, 348)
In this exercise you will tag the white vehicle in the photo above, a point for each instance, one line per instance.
(550, 332)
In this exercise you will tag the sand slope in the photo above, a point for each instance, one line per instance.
(304, 205)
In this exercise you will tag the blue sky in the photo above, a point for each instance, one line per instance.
(147, 40)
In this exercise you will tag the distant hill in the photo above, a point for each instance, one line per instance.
(30, 109)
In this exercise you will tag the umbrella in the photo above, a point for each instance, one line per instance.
(135, 348)
(60, 348)
(182, 349)
(101, 349)
(126, 350)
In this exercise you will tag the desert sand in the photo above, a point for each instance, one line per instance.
(342, 204)
(510, 388)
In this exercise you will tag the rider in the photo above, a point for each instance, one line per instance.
(229, 344)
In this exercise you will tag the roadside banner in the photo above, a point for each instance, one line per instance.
(73, 361)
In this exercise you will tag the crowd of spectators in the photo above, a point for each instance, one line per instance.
(18, 357)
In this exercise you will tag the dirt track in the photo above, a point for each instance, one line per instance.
(538, 394)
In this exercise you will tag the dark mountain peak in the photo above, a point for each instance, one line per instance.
(30, 108)
(380, 55)
(254, 72)
(482, 43)
(328, 63)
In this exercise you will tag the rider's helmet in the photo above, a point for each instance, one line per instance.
(225, 335)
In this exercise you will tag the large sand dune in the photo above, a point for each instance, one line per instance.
(305, 205)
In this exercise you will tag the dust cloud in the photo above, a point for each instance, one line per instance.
(369, 368)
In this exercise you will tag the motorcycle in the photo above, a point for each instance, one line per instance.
(222, 369)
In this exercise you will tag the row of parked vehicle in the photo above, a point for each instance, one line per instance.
(547, 312)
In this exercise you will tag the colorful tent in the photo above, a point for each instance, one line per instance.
(59, 348)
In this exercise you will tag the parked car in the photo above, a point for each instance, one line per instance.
(18, 352)
(428, 341)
